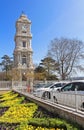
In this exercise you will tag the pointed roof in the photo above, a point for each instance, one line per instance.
(23, 18)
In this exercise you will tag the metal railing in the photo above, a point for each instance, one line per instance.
(5, 85)
(73, 100)
(9, 85)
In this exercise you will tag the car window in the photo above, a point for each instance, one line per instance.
(79, 86)
(52, 87)
(48, 85)
(57, 85)
(39, 85)
(73, 87)
(67, 87)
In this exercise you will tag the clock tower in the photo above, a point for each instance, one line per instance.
(23, 63)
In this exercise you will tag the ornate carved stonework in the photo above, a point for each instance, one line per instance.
(23, 51)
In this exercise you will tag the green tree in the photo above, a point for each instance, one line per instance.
(39, 69)
(39, 73)
(6, 63)
(50, 65)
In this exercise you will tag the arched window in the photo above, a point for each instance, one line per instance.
(24, 44)
(23, 59)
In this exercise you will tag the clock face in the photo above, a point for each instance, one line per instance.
(24, 27)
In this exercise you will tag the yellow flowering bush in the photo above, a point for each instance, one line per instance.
(13, 102)
(9, 93)
(8, 97)
(20, 116)
(19, 113)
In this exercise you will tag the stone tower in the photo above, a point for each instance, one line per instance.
(23, 51)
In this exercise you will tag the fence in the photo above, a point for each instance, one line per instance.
(71, 99)
(74, 100)
(9, 85)
(5, 85)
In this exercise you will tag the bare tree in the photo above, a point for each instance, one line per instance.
(67, 53)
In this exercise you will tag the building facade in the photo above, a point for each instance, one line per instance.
(23, 63)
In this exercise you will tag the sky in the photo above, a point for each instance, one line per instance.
(50, 19)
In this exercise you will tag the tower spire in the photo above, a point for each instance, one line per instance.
(23, 12)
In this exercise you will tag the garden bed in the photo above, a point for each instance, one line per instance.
(18, 113)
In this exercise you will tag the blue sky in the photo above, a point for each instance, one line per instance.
(50, 19)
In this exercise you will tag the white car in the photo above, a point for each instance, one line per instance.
(48, 87)
(38, 86)
(71, 94)
(38, 91)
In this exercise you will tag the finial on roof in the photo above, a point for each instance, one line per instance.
(23, 12)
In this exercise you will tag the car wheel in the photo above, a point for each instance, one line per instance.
(46, 95)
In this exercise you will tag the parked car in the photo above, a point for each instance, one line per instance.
(71, 94)
(48, 88)
(39, 90)
(39, 85)
(54, 86)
